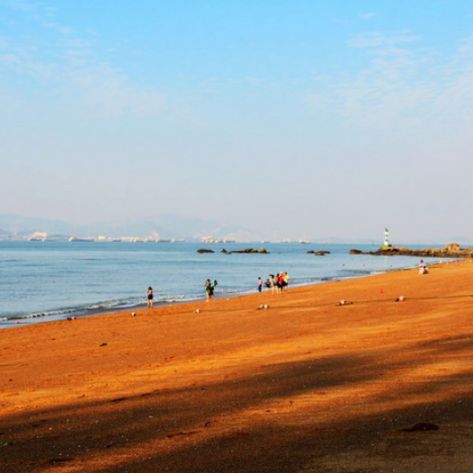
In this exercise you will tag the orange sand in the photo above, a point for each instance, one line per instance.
(305, 386)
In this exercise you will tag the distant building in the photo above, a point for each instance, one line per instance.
(131, 239)
(38, 236)
(209, 239)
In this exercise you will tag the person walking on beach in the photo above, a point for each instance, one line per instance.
(150, 297)
(209, 288)
(260, 284)
(272, 280)
(281, 281)
(277, 283)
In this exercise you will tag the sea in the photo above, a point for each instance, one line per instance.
(46, 281)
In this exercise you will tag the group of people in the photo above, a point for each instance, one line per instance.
(423, 269)
(209, 291)
(274, 282)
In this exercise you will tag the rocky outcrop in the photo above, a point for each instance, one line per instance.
(318, 253)
(262, 251)
(356, 252)
(205, 250)
(453, 250)
(453, 247)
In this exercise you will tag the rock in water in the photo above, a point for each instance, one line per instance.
(262, 251)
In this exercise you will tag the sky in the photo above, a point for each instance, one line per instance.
(288, 118)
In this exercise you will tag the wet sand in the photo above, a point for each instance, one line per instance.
(304, 386)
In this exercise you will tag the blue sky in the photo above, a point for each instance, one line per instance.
(299, 119)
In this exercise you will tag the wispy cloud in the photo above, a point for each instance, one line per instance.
(401, 85)
(71, 64)
(376, 39)
(367, 15)
(19, 5)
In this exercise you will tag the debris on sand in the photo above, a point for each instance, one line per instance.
(344, 302)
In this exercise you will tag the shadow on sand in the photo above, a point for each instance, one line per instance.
(232, 426)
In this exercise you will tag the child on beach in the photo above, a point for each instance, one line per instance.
(260, 284)
(150, 297)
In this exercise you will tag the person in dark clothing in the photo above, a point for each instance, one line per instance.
(209, 288)
(150, 297)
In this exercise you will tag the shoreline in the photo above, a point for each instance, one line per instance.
(68, 313)
(142, 308)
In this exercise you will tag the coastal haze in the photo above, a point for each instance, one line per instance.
(314, 120)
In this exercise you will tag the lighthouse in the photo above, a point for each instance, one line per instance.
(386, 243)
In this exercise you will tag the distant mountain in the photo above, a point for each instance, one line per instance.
(167, 226)
(18, 225)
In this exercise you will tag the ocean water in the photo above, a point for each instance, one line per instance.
(44, 281)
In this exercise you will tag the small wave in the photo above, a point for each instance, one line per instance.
(356, 271)
(307, 279)
(97, 307)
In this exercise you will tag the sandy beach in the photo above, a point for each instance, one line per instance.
(303, 386)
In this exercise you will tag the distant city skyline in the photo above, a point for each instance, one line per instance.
(168, 228)
(280, 119)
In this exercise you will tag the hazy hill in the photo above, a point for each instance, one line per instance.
(167, 226)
